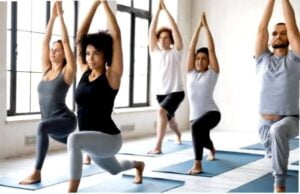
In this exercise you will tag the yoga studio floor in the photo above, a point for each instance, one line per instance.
(57, 162)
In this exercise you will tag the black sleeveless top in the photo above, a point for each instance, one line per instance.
(95, 102)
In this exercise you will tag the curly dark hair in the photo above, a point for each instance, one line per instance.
(102, 41)
(164, 29)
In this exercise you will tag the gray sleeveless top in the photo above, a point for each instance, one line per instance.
(279, 83)
(52, 95)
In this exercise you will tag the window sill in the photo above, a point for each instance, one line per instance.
(22, 118)
(134, 110)
(37, 117)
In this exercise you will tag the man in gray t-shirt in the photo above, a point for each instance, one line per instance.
(278, 73)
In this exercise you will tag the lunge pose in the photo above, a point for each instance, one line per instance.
(100, 60)
(165, 49)
(202, 76)
(279, 73)
(59, 69)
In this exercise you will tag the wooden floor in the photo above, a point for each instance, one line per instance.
(229, 140)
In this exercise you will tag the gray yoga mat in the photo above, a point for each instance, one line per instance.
(224, 162)
(125, 184)
(48, 181)
(294, 143)
(168, 147)
(265, 184)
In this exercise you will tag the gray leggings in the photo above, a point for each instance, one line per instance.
(58, 129)
(275, 136)
(101, 147)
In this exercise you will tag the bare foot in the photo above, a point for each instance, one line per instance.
(35, 177)
(155, 151)
(178, 139)
(197, 168)
(211, 155)
(194, 171)
(279, 189)
(173, 126)
(73, 185)
(87, 160)
(139, 165)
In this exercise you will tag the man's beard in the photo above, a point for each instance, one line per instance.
(283, 45)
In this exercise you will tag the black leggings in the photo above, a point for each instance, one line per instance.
(58, 129)
(200, 132)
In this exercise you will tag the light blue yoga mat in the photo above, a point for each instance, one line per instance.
(294, 143)
(168, 147)
(265, 184)
(224, 162)
(88, 170)
(125, 184)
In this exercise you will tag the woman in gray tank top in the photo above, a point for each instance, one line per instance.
(59, 69)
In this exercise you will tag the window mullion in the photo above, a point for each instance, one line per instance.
(13, 59)
(76, 14)
(132, 50)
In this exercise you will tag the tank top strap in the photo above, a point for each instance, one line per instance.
(46, 71)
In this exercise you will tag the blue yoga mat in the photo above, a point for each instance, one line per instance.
(47, 181)
(294, 143)
(295, 163)
(125, 184)
(168, 147)
(224, 162)
(265, 184)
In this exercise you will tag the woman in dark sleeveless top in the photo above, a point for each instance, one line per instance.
(100, 59)
(59, 69)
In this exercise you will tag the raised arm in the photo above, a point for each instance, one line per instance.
(116, 69)
(190, 65)
(152, 30)
(263, 34)
(291, 24)
(46, 64)
(175, 30)
(70, 68)
(83, 30)
(214, 65)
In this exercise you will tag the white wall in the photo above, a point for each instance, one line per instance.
(13, 133)
(234, 25)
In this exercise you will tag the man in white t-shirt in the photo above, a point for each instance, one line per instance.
(165, 50)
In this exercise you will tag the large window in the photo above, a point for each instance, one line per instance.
(25, 31)
(26, 28)
(134, 18)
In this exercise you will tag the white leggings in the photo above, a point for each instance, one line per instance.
(101, 147)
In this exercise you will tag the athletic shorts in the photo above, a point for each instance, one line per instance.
(170, 102)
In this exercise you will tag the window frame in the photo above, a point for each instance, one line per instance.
(144, 14)
(133, 12)
(12, 109)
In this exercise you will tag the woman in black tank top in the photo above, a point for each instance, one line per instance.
(59, 69)
(100, 60)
